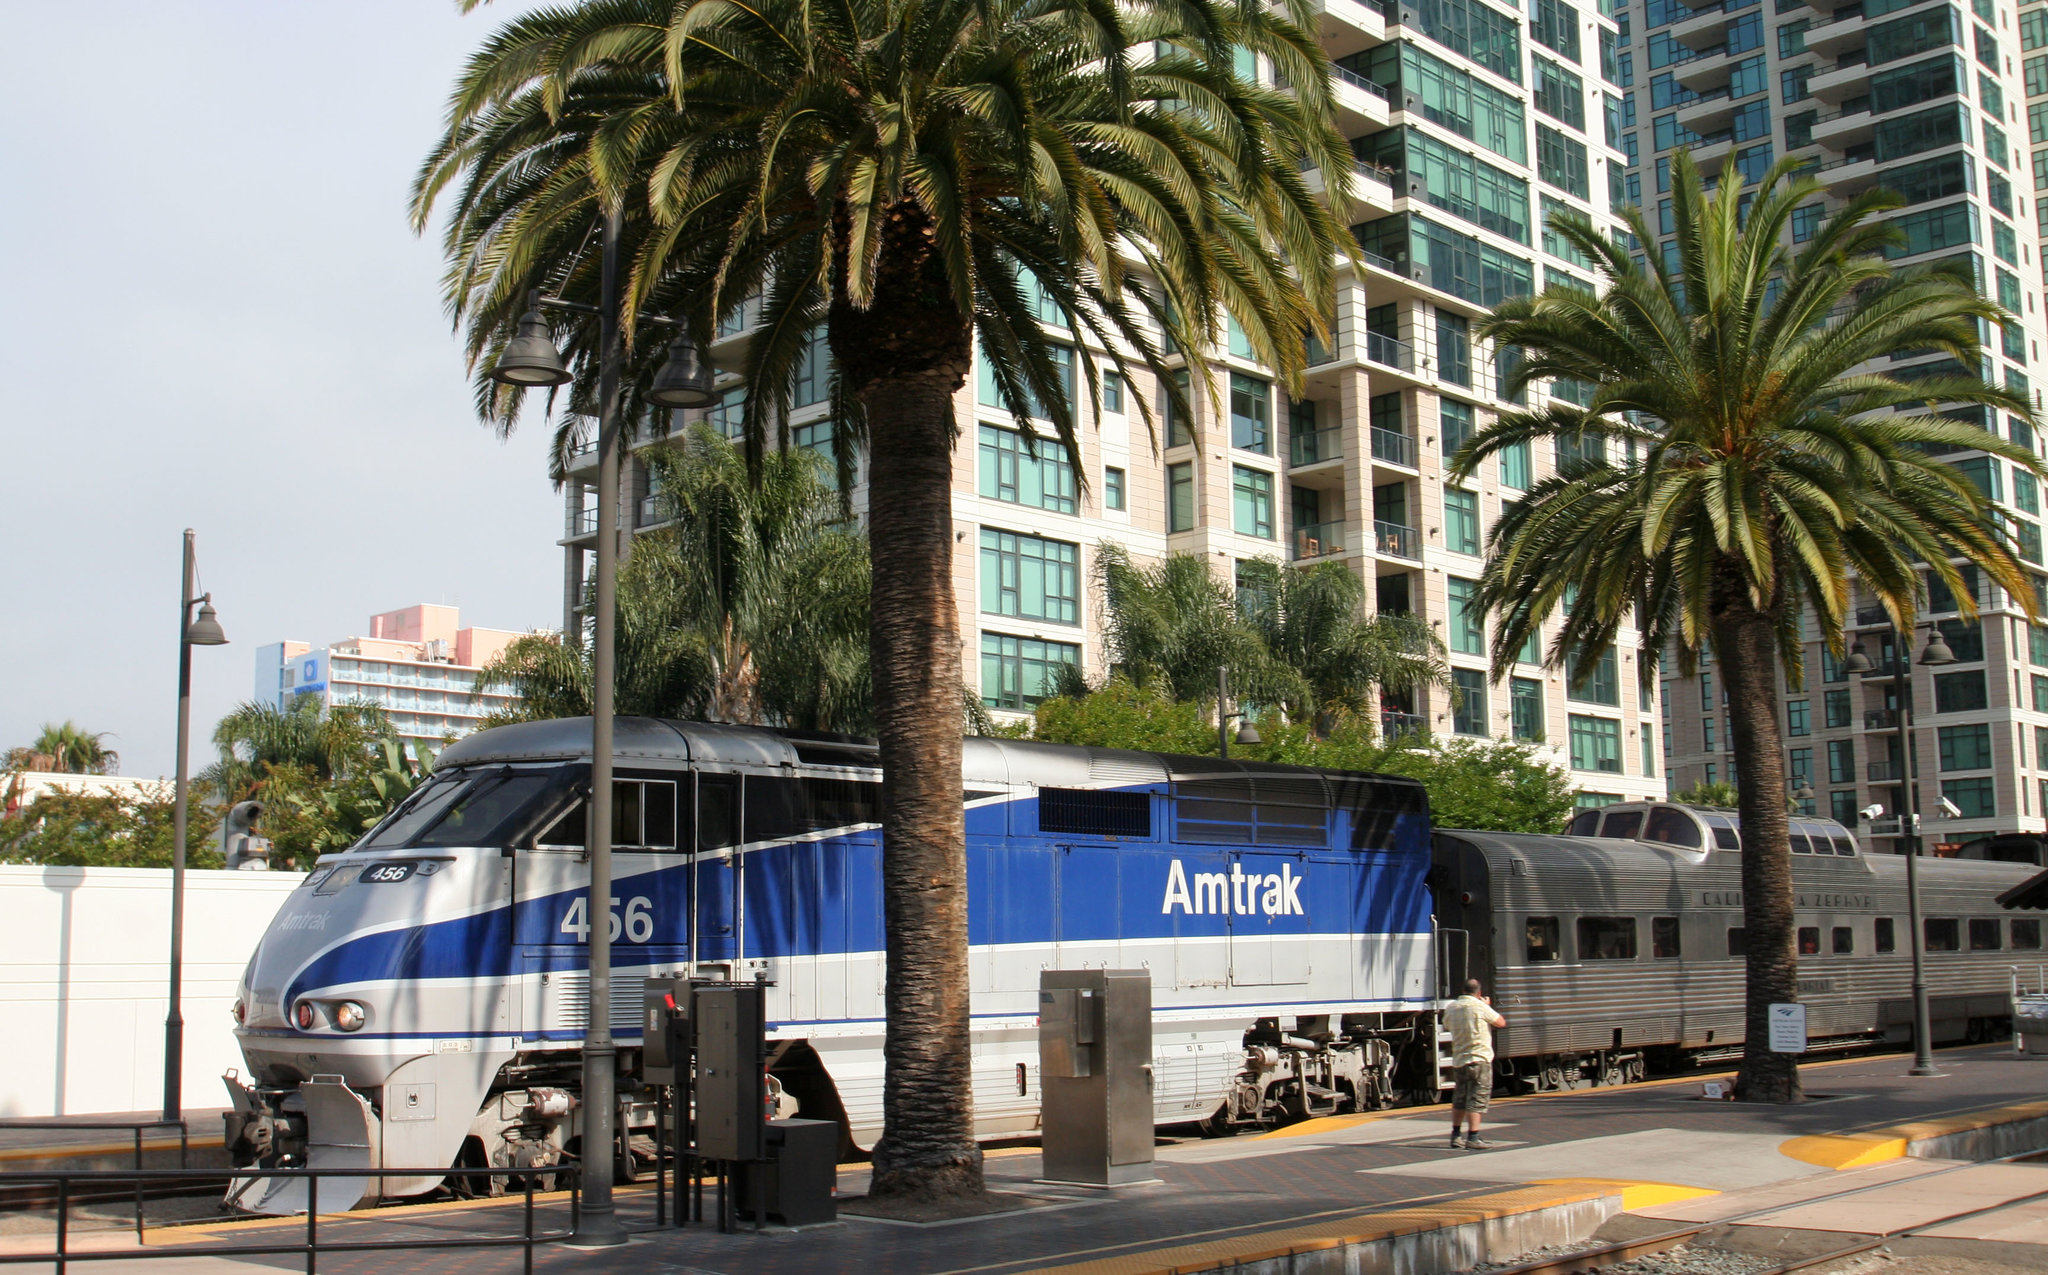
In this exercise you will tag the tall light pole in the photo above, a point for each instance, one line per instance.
(531, 359)
(1936, 654)
(203, 630)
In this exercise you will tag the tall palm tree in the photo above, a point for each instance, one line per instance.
(329, 743)
(1170, 624)
(914, 176)
(1767, 468)
(67, 749)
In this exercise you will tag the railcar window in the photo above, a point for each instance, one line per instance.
(1738, 944)
(1800, 845)
(1607, 938)
(778, 807)
(425, 806)
(1887, 938)
(1095, 813)
(484, 809)
(1943, 934)
(1586, 823)
(1664, 937)
(1624, 825)
(1844, 940)
(2026, 934)
(1809, 940)
(718, 811)
(1725, 836)
(1542, 931)
(1845, 846)
(643, 818)
(1984, 936)
(1673, 827)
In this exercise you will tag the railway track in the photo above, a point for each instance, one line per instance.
(1606, 1255)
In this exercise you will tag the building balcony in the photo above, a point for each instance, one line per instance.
(1703, 30)
(1392, 540)
(1372, 189)
(1345, 27)
(1881, 719)
(1841, 129)
(651, 511)
(1848, 77)
(1387, 351)
(583, 522)
(1703, 72)
(1871, 617)
(1361, 105)
(1393, 447)
(1315, 447)
(1849, 174)
(1833, 37)
(1884, 772)
(1318, 540)
(585, 455)
(1711, 112)
(1711, 150)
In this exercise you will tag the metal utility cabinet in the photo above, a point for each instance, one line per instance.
(1095, 1075)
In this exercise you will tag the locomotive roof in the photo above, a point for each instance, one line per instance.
(984, 759)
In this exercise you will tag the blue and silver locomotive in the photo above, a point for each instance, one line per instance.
(421, 998)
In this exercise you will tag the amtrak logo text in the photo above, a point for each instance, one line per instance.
(1240, 892)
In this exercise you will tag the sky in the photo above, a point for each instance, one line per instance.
(214, 314)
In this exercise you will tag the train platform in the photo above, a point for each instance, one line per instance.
(112, 1140)
(1874, 1154)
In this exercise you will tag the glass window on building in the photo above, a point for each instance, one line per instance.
(1461, 520)
(1251, 414)
(813, 371)
(1965, 747)
(1525, 704)
(1180, 497)
(1018, 672)
(1649, 753)
(1842, 807)
(1559, 94)
(1555, 25)
(1179, 429)
(1468, 715)
(1837, 707)
(1009, 471)
(1798, 717)
(1602, 684)
(1595, 743)
(1453, 347)
(1251, 502)
(1976, 798)
(1841, 761)
(1468, 621)
(1561, 162)
(1960, 692)
(1112, 393)
(1029, 577)
(1456, 423)
(1112, 487)
(1515, 468)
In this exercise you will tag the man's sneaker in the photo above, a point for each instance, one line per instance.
(1478, 1144)
(1457, 1142)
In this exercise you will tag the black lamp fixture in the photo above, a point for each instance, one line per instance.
(1936, 653)
(1858, 663)
(685, 378)
(1804, 792)
(205, 629)
(530, 357)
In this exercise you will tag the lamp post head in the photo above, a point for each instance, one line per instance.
(530, 358)
(685, 379)
(205, 630)
(1248, 734)
(1936, 652)
(1804, 792)
(1858, 663)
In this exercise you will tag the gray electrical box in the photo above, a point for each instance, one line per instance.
(731, 1081)
(665, 1029)
(1095, 1075)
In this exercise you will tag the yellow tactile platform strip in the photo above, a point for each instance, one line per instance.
(84, 1150)
(1357, 1228)
(1891, 1142)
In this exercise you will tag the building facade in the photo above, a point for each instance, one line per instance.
(1470, 123)
(1923, 99)
(418, 664)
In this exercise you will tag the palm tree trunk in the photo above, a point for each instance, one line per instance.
(905, 356)
(1746, 650)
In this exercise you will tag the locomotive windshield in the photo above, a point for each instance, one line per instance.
(464, 808)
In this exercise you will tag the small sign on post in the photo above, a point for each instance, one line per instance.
(1788, 1029)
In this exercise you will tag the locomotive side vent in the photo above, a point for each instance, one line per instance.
(1094, 813)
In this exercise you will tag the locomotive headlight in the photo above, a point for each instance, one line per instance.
(241, 1012)
(349, 1016)
(304, 1016)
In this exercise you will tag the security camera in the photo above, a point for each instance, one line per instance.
(1950, 810)
(1871, 811)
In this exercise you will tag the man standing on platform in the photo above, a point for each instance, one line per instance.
(1471, 1019)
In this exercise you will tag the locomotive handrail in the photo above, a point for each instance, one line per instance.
(312, 1245)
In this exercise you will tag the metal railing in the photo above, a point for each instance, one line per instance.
(1884, 771)
(651, 511)
(1398, 541)
(1394, 448)
(1317, 540)
(1389, 352)
(583, 522)
(1881, 719)
(1867, 616)
(134, 1127)
(1394, 725)
(1314, 446)
(66, 1184)
(1356, 80)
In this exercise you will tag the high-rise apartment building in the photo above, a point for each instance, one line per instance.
(418, 664)
(1470, 122)
(1924, 99)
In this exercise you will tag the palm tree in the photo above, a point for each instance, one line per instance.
(1312, 620)
(67, 749)
(1169, 625)
(750, 606)
(1764, 469)
(915, 176)
(256, 740)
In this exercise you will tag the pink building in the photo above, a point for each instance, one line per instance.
(419, 664)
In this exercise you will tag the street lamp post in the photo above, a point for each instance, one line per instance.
(203, 630)
(1247, 734)
(531, 359)
(1936, 654)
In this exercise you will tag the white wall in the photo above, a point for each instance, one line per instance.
(84, 962)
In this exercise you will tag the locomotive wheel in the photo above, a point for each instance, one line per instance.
(1553, 1079)
(1636, 1069)
(1614, 1076)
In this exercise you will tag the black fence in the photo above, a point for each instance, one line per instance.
(65, 1189)
(134, 1128)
